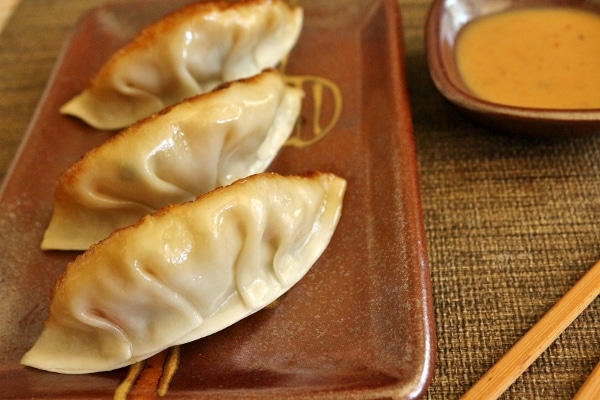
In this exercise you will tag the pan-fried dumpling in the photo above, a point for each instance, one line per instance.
(187, 271)
(189, 149)
(190, 51)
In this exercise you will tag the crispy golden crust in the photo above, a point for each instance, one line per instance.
(70, 175)
(161, 213)
(148, 36)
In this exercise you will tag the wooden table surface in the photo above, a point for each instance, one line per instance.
(511, 221)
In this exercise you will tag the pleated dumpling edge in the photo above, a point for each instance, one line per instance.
(188, 52)
(187, 271)
(188, 149)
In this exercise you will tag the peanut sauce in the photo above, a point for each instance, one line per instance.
(535, 57)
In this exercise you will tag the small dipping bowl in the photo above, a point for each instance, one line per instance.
(446, 19)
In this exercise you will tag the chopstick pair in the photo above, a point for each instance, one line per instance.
(538, 338)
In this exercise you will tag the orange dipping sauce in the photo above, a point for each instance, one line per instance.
(534, 57)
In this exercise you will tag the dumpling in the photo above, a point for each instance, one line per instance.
(190, 51)
(189, 149)
(187, 271)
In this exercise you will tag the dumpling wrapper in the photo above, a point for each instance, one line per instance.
(189, 149)
(188, 52)
(187, 271)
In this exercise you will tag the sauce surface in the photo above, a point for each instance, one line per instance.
(535, 57)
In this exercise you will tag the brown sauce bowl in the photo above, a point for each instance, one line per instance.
(444, 22)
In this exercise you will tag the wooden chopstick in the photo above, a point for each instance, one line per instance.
(591, 387)
(538, 338)
(6, 9)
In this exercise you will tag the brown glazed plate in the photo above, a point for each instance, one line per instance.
(444, 22)
(360, 324)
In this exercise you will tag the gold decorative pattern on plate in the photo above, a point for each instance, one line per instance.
(320, 89)
(150, 379)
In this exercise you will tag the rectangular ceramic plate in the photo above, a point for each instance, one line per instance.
(359, 324)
